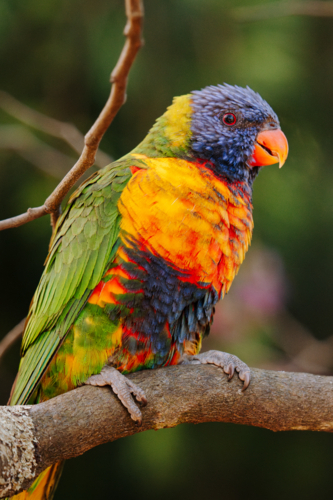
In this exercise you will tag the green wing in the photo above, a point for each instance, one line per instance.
(81, 250)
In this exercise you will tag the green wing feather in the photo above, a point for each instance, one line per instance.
(80, 252)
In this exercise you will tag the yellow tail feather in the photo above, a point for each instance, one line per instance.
(43, 488)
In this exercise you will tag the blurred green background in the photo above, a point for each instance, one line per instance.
(56, 57)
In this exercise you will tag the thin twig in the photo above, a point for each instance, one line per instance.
(11, 337)
(119, 76)
(283, 9)
(303, 350)
(65, 131)
(48, 159)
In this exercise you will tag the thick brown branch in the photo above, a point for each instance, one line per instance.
(133, 31)
(71, 424)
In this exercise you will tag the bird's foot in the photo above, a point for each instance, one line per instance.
(123, 388)
(228, 362)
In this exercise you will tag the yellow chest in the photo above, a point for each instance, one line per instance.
(183, 213)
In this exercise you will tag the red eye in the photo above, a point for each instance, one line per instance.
(229, 119)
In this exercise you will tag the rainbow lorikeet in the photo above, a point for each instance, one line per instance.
(144, 250)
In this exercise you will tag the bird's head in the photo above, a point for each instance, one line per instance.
(236, 130)
(230, 127)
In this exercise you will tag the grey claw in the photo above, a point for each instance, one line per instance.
(246, 377)
(123, 388)
(138, 421)
(143, 401)
(230, 370)
(228, 362)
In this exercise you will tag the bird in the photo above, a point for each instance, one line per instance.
(144, 250)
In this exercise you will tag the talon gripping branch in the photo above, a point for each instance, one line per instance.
(144, 250)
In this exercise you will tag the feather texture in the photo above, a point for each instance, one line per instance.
(81, 249)
(144, 250)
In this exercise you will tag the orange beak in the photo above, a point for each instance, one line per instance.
(271, 147)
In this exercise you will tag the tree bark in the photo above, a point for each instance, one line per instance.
(34, 437)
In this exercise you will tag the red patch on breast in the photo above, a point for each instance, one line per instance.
(134, 169)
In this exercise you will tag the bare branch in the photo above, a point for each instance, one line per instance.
(48, 159)
(283, 9)
(11, 337)
(303, 351)
(278, 401)
(65, 131)
(30, 215)
(119, 76)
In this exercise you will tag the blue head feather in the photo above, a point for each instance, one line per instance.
(228, 147)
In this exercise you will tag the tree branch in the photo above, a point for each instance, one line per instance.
(72, 423)
(283, 9)
(119, 76)
(65, 131)
(46, 158)
(11, 337)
